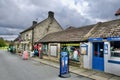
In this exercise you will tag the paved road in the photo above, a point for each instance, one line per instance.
(12, 67)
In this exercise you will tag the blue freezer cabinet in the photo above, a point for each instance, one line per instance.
(64, 65)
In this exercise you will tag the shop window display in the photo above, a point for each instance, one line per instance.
(74, 52)
(115, 48)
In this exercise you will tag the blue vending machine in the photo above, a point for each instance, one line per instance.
(64, 64)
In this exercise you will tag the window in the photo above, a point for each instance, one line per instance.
(45, 49)
(29, 36)
(115, 48)
(95, 49)
(73, 50)
(101, 54)
(25, 36)
(53, 50)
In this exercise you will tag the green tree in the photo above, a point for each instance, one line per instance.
(2, 42)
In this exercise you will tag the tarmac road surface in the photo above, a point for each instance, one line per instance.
(13, 67)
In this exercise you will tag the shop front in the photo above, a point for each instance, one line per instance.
(105, 54)
(54, 50)
(114, 47)
(97, 53)
(73, 50)
(112, 58)
(51, 51)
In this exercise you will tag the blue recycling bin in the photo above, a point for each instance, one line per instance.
(64, 64)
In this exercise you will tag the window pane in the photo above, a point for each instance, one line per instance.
(115, 48)
(101, 50)
(53, 50)
(95, 49)
(73, 53)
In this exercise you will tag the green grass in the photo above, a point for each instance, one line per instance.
(3, 48)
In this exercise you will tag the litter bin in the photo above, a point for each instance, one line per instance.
(25, 55)
(64, 64)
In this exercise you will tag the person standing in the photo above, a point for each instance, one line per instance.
(75, 54)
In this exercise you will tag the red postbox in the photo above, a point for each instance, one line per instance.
(39, 50)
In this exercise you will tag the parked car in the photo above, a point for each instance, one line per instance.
(12, 49)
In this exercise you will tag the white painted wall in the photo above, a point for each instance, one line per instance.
(106, 57)
(87, 59)
(114, 68)
(111, 67)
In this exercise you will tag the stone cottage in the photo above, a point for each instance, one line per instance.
(26, 38)
(45, 27)
(99, 45)
(38, 31)
(70, 38)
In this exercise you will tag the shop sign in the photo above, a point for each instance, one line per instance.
(95, 39)
(113, 39)
(70, 44)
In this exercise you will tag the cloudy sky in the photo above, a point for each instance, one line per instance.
(17, 15)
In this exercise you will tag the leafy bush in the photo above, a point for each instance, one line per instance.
(2, 43)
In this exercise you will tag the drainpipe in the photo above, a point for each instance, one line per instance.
(32, 39)
(34, 23)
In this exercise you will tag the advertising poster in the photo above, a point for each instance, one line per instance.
(84, 48)
(105, 48)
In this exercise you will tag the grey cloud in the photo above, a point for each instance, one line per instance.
(9, 31)
(70, 17)
(19, 14)
(9, 37)
(103, 9)
(13, 15)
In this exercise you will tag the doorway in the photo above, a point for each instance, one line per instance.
(98, 56)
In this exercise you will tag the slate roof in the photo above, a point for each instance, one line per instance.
(68, 35)
(17, 39)
(33, 26)
(106, 29)
(101, 29)
(50, 16)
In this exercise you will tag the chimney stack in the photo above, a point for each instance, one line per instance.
(34, 22)
(51, 14)
(117, 12)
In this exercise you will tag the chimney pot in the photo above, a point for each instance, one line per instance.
(51, 14)
(34, 22)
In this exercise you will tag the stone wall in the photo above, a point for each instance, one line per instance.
(49, 25)
(26, 40)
